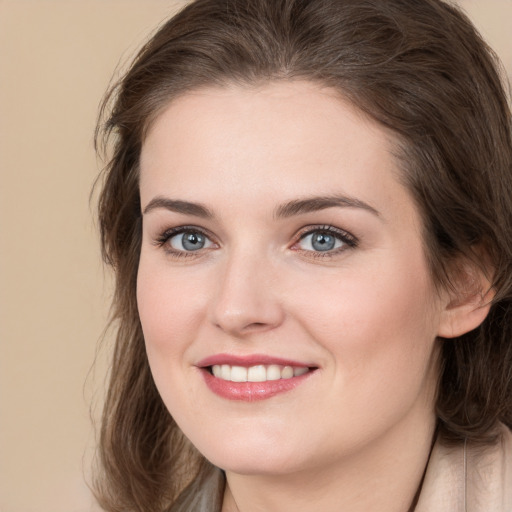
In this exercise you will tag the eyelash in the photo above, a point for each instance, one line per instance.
(165, 237)
(349, 241)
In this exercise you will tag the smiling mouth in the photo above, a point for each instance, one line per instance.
(257, 373)
(253, 377)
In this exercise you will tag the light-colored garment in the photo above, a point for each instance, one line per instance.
(458, 479)
(469, 478)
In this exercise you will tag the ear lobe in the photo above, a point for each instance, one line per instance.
(467, 306)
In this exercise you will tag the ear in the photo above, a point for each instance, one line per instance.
(467, 303)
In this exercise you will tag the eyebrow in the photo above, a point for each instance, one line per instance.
(313, 204)
(179, 206)
(289, 209)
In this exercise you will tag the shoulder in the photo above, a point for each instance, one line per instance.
(489, 474)
(469, 477)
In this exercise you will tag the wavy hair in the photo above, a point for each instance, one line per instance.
(419, 68)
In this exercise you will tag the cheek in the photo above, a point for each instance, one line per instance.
(169, 328)
(381, 341)
(168, 309)
(376, 323)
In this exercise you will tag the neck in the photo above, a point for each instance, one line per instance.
(387, 477)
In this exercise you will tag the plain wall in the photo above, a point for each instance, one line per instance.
(56, 60)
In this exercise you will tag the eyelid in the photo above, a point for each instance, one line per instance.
(163, 238)
(349, 240)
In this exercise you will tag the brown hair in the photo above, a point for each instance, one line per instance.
(420, 69)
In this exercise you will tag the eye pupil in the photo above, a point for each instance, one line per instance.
(193, 241)
(323, 242)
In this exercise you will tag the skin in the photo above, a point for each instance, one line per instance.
(356, 434)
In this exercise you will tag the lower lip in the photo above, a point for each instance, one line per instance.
(251, 391)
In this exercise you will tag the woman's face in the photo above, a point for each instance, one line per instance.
(279, 247)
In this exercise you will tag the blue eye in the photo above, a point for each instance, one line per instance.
(319, 241)
(189, 241)
(325, 240)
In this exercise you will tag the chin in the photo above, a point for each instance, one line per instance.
(250, 456)
(255, 465)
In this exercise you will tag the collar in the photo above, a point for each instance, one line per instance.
(468, 477)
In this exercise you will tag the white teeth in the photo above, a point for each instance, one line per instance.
(287, 372)
(225, 372)
(238, 374)
(273, 372)
(258, 373)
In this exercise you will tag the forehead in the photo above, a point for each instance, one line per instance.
(299, 110)
(282, 138)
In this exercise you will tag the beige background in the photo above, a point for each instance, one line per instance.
(56, 59)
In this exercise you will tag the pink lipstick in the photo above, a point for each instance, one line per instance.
(254, 377)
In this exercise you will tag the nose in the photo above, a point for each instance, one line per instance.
(247, 299)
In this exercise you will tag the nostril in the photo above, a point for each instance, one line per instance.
(255, 327)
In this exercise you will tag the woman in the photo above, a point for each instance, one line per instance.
(308, 212)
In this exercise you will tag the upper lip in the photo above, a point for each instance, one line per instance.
(250, 360)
